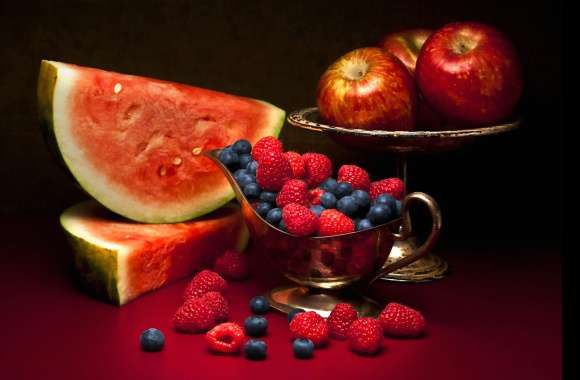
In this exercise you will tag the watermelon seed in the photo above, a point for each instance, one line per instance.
(177, 161)
(196, 151)
(162, 170)
(118, 88)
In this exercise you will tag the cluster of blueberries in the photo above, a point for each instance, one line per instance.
(237, 157)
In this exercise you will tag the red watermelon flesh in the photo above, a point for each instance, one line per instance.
(136, 144)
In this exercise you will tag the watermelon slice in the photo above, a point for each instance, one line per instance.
(135, 144)
(119, 260)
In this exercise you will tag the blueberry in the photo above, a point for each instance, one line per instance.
(317, 209)
(343, 189)
(228, 157)
(293, 313)
(282, 225)
(252, 167)
(152, 340)
(274, 216)
(303, 348)
(329, 185)
(245, 160)
(268, 196)
(362, 198)
(252, 190)
(398, 206)
(347, 205)
(263, 208)
(328, 200)
(242, 147)
(245, 179)
(386, 199)
(238, 173)
(379, 214)
(259, 305)
(255, 349)
(363, 224)
(255, 325)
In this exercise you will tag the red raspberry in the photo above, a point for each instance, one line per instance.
(356, 176)
(226, 338)
(218, 305)
(297, 164)
(393, 186)
(293, 191)
(203, 282)
(310, 325)
(194, 316)
(317, 167)
(273, 171)
(266, 144)
(233, 265)
(314, 196)
(299, 220)
(402, 321)
(365, 336)
(334, 222)
(340, 319)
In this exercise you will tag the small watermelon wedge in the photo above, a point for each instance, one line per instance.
(136, 144)
(119, 260)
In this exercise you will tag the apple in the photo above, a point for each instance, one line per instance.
(469, 73)
(367, 88)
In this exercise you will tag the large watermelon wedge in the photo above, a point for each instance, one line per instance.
(119, 259)
(135, 144)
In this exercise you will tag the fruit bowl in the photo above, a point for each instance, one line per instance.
(328, 268)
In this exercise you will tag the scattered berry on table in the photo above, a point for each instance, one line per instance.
(402, 321)
(317, 209)
(255, 326)
(318, 168)
(232, 265)
(274, 216)
(379, 214)
(252, 190)
(273, 171)
(203, 282)
(263, 208)
(314, 196)
(365, 336)
(152, 340)
(242, 147)
(218, 305)
(194, 316)
(293, 191)
(362, 198)
(296, 163)
(363, 224)
(333, 222)
(303, 348)
(310, 325)
(255, 349)
(293, 313)
(356, 176)
(228, 157)
(252, 167)
(347, 205)
(268, 196)
(259, 305)
(330, 185)
(328, 200)
(393, 186)
(343, 189)
(225, 338)
(340, 319)
(299, 220)
(265, 145)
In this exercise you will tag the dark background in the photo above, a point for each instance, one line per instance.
(507, 188)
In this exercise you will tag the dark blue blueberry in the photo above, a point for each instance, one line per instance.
(152, 340)
(386, 199)
(328, 200)
(398, 207)
(343, 189)
(317, 209)
(282, 225)
(268, 196)
(303, 348)
(252, 167)
(255, 325)
(238, 173)
(293, 313)
(252, 190)
(263, 208)
(245, 160)
(259, 305)
(242, 147)
(229, 158)
(245, 179)
(255, 349)
(347, 205)
(379, 214)
(329, 185)
(363, 224)
(274, 216)
(362, 198)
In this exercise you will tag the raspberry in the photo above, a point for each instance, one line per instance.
(402, 321)
(194, 316)
(340, 319)
(218, 305)
(314, 196)
(293, 191)
(233, 265)
(266, 144)
(356, 176)
(310, 325)
(226, 338)
(299, 220)
(317, 167)
(333, 222)
(203, 282)
(273, 171)
(296, 163)
(393, 186)
(365, 336)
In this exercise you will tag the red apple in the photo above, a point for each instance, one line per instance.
(367, 88)
(469, 73)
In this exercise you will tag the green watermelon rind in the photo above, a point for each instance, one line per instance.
(47, 85)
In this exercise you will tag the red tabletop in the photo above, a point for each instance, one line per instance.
(497, 316)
